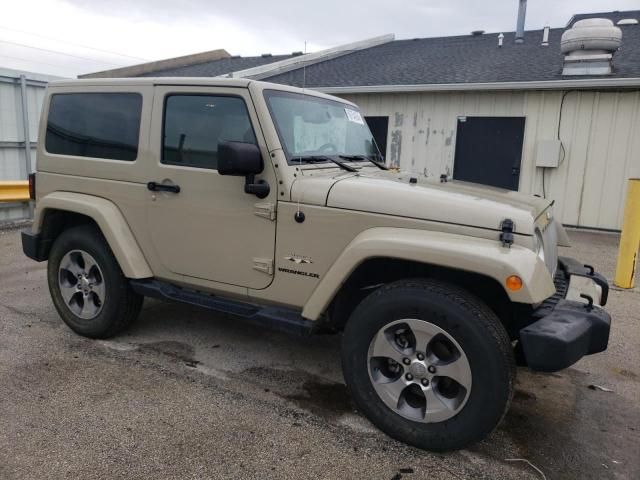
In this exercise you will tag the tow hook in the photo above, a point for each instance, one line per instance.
(589, 299)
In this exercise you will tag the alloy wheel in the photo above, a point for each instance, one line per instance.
(81, 284)
(419, 371)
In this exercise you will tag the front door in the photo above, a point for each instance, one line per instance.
(202, 225)
(489, 150)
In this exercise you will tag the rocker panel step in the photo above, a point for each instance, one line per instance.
(277, 318)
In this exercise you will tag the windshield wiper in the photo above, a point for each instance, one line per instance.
(378, 164)
(323, 158)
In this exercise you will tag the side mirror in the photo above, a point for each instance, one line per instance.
(239, 158)
(243, 159)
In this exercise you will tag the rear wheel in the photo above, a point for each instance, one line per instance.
(429, 364)
(87, 286)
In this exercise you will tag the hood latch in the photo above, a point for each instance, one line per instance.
(506, 237)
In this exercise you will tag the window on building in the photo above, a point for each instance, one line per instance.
(379, 127)
(194, 125)
(97, 125)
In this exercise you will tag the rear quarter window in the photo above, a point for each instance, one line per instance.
(96, 125)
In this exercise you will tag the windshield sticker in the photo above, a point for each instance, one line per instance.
(354, 116)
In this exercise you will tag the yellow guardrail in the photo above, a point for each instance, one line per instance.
(630, 237)
(14, 191)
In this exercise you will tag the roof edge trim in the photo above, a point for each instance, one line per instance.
(450, 87)
(159, 65)
(300, 61)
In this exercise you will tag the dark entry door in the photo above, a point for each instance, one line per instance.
(379, 127)
(489, 150)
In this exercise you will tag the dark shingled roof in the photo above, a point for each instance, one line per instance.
(218, 67)
(443, 60)
(462, 59)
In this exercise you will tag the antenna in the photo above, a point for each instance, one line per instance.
(304, 82)
(304, 67)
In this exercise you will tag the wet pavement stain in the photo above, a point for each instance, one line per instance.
(522, 395)
(328, 400)
(181, 352)
(543, 425)
(317, 395)
(627, 374)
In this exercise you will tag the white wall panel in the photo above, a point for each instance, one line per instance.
(600, 132)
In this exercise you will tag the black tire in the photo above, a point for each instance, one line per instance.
(121, 305)
(471, 323)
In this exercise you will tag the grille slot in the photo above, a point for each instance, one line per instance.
(561, 283)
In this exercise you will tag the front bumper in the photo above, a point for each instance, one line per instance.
(570, 324)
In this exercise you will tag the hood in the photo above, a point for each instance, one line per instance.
(392, 193)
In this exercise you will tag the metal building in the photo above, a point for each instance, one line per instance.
(21, 96)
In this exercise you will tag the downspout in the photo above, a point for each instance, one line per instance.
(25, 129)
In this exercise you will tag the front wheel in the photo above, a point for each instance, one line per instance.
(429, 364)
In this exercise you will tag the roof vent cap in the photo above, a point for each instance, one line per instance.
(266, 55)
(545, 36)
(477, 33)
(628, 21)
(591, 34)
(589, 46)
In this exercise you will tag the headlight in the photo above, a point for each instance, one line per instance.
(538, 244)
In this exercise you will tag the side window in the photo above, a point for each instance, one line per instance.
(97, 125)
(194, 125)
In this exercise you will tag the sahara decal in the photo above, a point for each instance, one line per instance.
(299, 259)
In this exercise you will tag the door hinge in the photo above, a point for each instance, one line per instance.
(264, 265)
(265, 210)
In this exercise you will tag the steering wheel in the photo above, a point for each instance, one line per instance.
(328, 148)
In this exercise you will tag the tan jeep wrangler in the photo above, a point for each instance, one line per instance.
(273, 203)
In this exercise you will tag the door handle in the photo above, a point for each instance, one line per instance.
(515, 171)
(161, 187)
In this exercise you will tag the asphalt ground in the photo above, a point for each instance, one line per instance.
(191, 394)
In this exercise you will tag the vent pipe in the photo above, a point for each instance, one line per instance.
(522, 13)
(500, 40)
(545, 36)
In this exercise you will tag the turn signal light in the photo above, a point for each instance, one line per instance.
(514, 283)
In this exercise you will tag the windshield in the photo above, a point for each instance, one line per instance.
(311, 127)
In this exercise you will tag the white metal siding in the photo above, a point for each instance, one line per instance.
(600, 132)
(13, 165)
